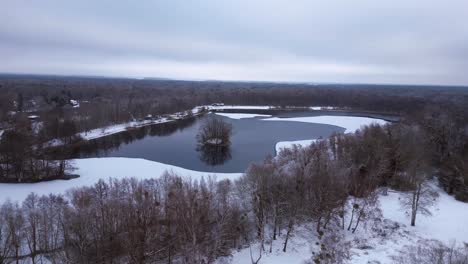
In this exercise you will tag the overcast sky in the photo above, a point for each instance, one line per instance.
(358, 41)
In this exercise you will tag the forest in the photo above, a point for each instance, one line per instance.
(333, 183)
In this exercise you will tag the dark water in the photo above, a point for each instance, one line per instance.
(175, 143)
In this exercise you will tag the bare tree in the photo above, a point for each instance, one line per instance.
(417, 168)
(215, 131)
(420, 199)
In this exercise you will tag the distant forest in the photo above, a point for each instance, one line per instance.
(109, 101)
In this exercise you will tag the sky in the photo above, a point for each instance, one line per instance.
(337, 41)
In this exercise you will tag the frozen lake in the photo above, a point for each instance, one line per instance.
(175, 143)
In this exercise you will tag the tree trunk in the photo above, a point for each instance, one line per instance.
(288, 233)
(351, 220)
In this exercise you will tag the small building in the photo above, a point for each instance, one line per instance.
(74, 103)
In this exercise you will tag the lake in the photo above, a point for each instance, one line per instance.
(175, 142)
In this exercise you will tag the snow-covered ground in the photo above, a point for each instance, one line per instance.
(239, 107)
(91, 170)
(376, 241)
(298, 250)
(288, 144)
(350, 123)
(448, 221)
(106, 131)
(241, 115)
(322, 107)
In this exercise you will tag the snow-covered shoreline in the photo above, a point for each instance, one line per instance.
(288, 144)
(93, 169)
(350, 123)
(240, 115)
(118, 128)
(114, 129)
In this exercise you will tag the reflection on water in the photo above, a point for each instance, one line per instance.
(106, 145)
(214, 155)
(175, 143)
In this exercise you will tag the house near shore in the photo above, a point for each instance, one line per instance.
(74, 103)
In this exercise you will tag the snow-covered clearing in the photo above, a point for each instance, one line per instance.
(447, 223)
(350, 123)
(374, 241)
(241, 115)
(298, 250)
(94, 169)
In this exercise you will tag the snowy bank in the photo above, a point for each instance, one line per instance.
(288, 144)
(252, 107)
(350, 123)
(106, 131)
(94, 169)
(447, 223)
(373, 242)
(240, 115)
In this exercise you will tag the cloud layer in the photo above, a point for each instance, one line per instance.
(362, 41)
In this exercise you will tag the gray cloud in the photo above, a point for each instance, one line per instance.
(365, 41)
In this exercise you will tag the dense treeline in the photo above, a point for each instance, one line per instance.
(24, 158)
(109, 101)
(126, 221)
(333, 183)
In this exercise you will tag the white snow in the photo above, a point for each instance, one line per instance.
(350, 123)
(1, 133)
(210, 107)
(91, 170)
(214, 141)
(448, 223)
(106, 131)
(117, 128)
(74, 103)
(241, 115)
(322, 108)
(298, 250)
(288, 144)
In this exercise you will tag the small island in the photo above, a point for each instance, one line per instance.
(215, 132)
